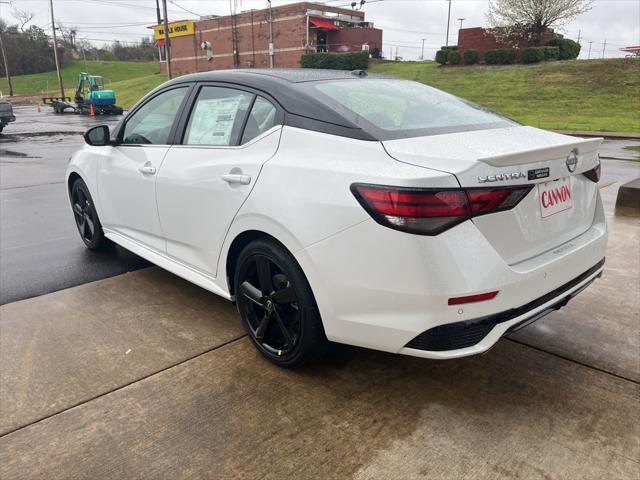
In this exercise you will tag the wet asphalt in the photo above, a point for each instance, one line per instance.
(40, 250)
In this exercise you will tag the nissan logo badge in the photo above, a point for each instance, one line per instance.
(572, 161)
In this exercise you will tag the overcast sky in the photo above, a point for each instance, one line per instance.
(405, 22)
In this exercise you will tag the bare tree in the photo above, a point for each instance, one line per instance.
(68, 36)
(23, 16)
(529, 19)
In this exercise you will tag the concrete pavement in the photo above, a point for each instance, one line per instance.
(62, 349)
(515, 413)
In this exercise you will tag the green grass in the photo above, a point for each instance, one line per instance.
(128, 92)
(113, 72)
(594, 95)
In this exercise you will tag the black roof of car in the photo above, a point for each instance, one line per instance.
(286, 86)
(268, 75)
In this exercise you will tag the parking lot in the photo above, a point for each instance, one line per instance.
(113, 368)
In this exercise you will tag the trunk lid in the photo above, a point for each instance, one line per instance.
(517, 156)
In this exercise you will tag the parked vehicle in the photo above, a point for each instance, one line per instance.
(6, 114)
(347, 207)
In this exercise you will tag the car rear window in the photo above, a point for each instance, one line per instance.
(392, 108)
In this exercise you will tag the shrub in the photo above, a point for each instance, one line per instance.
(551, 53)
(336, 61)
(568, 49)
(500, 56)
(532, 54)
(449, 47)
(470, 56)
(453, 58)
(442, 56)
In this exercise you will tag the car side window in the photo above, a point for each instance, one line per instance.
(151, 123)
(261, 119)
(217, 117)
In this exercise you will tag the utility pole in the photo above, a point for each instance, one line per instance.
(589, 56)
(579, 33)
(422, 55)
(234, 34)
(6, 67)
(6, 62)
(448, 21)
(167, 41)
(271, 48)
(604, 47)
(55, 49)
(461, 20)
(159, 22)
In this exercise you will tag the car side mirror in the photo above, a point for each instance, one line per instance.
(98, 136)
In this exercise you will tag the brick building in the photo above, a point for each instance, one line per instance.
(242, 40)
(482, 40)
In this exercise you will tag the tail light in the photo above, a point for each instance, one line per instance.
(429, 211)
(595, 173)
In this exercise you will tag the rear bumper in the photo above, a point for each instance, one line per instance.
(472, 333)
(382, 289)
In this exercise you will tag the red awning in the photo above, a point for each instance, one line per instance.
(322, 23)
(160, 42)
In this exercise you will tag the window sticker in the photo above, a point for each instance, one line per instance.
(213, 121)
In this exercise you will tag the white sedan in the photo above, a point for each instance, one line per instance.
(346, 207)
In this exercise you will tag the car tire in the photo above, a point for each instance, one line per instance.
(277, 306)
(86, 217)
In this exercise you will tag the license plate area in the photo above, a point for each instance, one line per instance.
(555, 197)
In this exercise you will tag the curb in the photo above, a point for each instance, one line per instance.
(620, 158)
(616, 135)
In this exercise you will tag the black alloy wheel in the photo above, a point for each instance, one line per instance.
(276, 305)
(86, 217)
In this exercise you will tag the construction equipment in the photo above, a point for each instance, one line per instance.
(90, 96)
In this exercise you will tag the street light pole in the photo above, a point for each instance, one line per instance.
(461, 20)
(55, 49)
(448, 21)
(167, 41)
(422, 55)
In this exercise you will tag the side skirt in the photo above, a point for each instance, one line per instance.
(167, 263)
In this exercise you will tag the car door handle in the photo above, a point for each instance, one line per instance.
(147, 169)
(237, 178)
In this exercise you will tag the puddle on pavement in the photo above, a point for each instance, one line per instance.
(40, 137)
(11, 153)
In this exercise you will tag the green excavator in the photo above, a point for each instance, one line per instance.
(90, 96)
